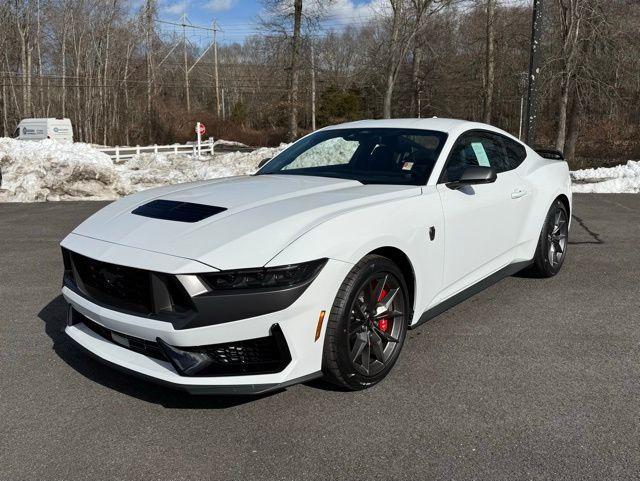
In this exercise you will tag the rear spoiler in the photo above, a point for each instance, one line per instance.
(550, 154)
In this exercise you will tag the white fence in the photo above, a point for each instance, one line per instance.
(118, 153)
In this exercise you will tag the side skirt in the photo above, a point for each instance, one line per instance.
(471, 291)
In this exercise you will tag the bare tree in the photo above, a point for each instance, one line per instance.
(571, 12)
(489, 72)
(295, 71)
(407, 19)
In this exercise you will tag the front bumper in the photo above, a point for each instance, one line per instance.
(298, 324)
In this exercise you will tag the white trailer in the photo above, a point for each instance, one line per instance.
(58, 129)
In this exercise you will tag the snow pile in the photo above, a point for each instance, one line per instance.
(46, 170)
(619, 179)
(151, 170)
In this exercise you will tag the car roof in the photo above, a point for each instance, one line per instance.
(449, 126)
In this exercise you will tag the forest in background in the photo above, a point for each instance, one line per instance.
(126, 76)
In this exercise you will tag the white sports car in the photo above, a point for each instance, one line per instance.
(317, 264)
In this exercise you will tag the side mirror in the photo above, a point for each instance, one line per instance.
(263, 161)
(474, 174)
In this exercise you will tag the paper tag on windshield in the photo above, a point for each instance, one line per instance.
(407, 166)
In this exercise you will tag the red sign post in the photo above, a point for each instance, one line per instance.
(200, 130)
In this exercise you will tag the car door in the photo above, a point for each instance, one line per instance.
(481, 221)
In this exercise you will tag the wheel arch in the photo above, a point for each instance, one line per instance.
(405, 265)
(565, 201)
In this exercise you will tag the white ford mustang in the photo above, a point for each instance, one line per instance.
(319, 263)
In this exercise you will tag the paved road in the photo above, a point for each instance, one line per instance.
(531, 379)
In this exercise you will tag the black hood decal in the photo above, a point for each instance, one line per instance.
(177, 211)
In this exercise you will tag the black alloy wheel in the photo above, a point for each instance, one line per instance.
(368, 324)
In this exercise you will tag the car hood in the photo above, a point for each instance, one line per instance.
(263, 215)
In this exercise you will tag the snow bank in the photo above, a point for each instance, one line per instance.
(619, 179)
(47, 171)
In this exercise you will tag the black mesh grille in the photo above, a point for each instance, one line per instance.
(251, 356)
(119, 286)
(262, 355)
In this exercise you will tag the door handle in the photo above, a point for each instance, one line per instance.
(517, 193)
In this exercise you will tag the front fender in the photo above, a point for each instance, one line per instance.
(402, 224)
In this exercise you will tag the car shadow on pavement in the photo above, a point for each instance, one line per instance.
(54, 316)
(595, 237)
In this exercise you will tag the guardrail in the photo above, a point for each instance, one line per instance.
(208, 147)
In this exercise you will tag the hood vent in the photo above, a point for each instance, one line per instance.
(178, 211)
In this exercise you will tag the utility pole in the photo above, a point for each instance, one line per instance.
(186, 66)
(313, 89)
(534, 72)
(215, 65)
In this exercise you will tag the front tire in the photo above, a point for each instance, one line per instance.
(367, 325)
(553, 241)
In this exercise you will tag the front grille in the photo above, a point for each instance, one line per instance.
(252, 356)
(263, 355)
(119, 286)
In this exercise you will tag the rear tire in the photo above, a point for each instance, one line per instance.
(367, 325)
(553, 242)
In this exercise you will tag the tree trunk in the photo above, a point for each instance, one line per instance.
(563, 102)
(392, 67)
(29, 107)
(4, 110)
(489, 61)
(415, 80)
(295, 67)
(23, 59)
(39, 52)
(572, 129)
(150, 9)
(16, 103)
(64, 71)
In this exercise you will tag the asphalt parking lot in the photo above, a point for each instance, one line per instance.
(530, 379)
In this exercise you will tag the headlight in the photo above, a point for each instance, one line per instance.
(263, 278)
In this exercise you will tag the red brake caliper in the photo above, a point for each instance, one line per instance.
(383, 324)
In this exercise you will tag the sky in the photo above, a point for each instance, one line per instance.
(237, 18)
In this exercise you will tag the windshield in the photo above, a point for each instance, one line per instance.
(371, 156)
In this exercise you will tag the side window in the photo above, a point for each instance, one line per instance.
(516, 153)
(475, 148)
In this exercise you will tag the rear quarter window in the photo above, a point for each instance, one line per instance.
(516, 153)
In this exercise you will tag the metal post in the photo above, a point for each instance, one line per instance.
(186, 66)
(534, 71)
(313, 89)
(199, 139)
